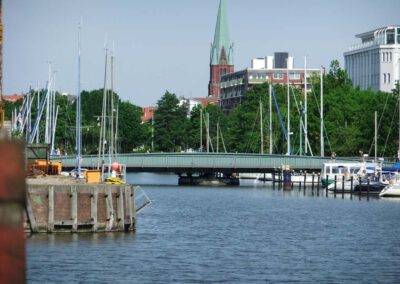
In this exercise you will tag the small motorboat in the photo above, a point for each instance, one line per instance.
(392, 190)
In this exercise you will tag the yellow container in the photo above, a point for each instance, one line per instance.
(58, 165)
(41, 162)
(92, 176)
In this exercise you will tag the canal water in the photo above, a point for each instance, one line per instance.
(247, 234)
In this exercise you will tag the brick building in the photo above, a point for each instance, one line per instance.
(274, 69)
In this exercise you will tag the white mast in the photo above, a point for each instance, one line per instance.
(376, 134)
(322, 146)
(103, 116)
(218, 136)
(261, 128)
(112, 105)
(288, 107)
(47, 122)
(201, 129)
(270, 118)
(305, 106)
(38, 107)
(208, 132)
(78, 106)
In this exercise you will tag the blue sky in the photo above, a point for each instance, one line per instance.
(164, 45)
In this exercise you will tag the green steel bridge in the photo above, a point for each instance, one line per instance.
(180, 163)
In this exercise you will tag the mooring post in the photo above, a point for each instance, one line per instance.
(305, 179)
(342, 187)
(318, 183)
(312, 184)
(326, 186)
(351, 188)
(359, 188)
(368, 190)
(273, 181)
(334, 189)
(287, 178)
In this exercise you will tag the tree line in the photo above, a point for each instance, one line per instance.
(348, 121)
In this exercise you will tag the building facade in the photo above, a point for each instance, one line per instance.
(234, 86)
(374, 63)
(221, 55)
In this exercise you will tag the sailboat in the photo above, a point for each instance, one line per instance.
(112, 172)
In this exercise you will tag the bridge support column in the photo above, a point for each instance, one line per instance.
(287, 177)
(208, 179)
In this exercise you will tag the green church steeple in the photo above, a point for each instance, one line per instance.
(222, 48)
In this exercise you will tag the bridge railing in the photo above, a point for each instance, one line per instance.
(179, 162)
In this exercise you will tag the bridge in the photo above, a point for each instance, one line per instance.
(181, 163)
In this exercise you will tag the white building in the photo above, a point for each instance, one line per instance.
(374, 63)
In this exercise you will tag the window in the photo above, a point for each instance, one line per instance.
(390, 57)
(388, 78)
(278, 76)
(398, 35)
(294, 76)
(390, 36)
(384, 78)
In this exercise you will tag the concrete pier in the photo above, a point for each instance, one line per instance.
(78, 207)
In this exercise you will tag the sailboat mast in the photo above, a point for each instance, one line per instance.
(376, 134)
(270, 118)
(112, 106)
(78, 106)
(288, 107)
(102, 123)
(208, 132)
(322, 146)
(305, 106)
(218, 136)
(46, 132)
(38, 108)
(261, 129)
(201, 129)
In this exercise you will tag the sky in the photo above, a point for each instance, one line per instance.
(164, 45)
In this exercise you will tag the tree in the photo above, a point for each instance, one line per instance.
(170, 124)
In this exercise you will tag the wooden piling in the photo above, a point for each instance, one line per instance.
(335, 188)
(326, 186)
(351, 187)
(312, 184)
(343, 180)
(318, 183)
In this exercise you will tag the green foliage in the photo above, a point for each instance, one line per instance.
(170, 124)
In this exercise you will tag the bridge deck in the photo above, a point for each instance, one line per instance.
(209, 162)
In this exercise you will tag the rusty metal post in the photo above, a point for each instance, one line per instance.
(12, 204)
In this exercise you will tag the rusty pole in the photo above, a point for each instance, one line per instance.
(12, 204)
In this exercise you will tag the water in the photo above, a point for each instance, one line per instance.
(247, 234)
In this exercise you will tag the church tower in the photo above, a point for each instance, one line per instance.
(221, 56)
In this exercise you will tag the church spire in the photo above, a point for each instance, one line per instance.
(222, 48)
(221, 57)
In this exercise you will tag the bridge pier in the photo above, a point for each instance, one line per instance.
(208, 179)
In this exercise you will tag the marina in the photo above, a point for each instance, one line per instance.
(286, 170)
